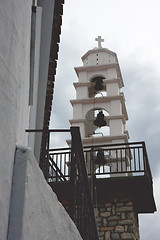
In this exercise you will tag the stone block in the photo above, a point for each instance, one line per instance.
(130, 229)
(112, 223)
(119, 229)
(115, 236)
(125, 222)
(130, 215)
(105, 214)
(112, 218)
(107, 235)
(105, 223)
(124, 209)
(123, 215)
(127, 236)
(106, 228)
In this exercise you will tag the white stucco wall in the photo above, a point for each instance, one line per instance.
(82, 92)
(44, 217)
(112, 89)
(15, 23)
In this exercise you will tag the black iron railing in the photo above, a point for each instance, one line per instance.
(124, 159)
(71, 166)
(81, 206)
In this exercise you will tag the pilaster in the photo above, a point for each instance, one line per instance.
(117, 219)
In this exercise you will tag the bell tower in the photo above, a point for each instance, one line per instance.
(99, 108)
(118, 171)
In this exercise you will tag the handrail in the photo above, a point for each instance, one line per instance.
(81, 206)
(84, 217)
(48, 130)
(99, 146)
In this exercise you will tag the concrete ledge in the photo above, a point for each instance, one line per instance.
(18, 193)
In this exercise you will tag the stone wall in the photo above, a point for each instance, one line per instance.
(117, 220)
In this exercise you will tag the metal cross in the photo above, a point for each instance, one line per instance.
(100, 40)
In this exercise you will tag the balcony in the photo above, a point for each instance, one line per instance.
(113, 169)
(83, 176)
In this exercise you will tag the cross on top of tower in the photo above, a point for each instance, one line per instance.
(99, 40)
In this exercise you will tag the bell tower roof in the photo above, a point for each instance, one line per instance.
(99, 55)
(96, 50)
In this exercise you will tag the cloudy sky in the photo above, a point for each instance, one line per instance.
(131, 29)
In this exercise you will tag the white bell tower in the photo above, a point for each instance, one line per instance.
(99, 108)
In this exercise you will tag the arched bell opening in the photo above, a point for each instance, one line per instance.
(96, 86)
(97, 123)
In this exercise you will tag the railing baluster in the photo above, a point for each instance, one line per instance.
(134, 159)
(65, 164)
(60, 164)
(139, 160)
(121, 160)
(130, 158)
(117, 159)
(56, 164)
(125, 158)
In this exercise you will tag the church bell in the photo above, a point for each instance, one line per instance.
(100, 159)
(100, 122)
(98, 86)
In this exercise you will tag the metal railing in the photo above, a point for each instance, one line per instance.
(81, 206)
(71, 166)
(119, 160)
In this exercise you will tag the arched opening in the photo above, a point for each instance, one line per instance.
(96, 86)
(94, 129)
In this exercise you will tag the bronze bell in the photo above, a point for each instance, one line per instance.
(100, 159)
(100, 122)
(98, 86)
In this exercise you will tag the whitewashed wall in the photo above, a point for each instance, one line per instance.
(43, 217)
(15, 23)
